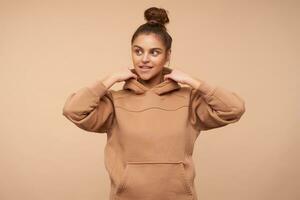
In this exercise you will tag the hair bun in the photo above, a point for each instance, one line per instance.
(156, 15)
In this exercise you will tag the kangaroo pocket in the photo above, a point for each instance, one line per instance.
(154, 180)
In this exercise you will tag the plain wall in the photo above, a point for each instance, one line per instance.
(49, 49)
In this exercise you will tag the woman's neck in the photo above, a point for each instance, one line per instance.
(153, 81)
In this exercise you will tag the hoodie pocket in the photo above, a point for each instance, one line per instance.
(154, 180)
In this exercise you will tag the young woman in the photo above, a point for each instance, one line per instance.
(153, 122)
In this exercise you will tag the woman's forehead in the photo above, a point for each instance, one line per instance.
(148, 41)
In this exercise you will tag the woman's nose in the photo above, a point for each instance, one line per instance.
(145, 58)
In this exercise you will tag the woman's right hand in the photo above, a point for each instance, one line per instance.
(124, 74)
(118, 76)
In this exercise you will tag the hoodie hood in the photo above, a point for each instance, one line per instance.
(162, 88)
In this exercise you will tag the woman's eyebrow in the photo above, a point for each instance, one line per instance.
(151, 48)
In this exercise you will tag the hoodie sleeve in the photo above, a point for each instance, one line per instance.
(214, 106)
(90, 108)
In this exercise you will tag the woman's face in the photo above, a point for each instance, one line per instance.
(149, 55)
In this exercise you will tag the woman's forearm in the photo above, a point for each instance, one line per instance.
(193, 82)
(109, 81)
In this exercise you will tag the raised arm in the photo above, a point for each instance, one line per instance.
(91, 107)
(214, 106)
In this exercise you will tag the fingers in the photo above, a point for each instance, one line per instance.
(134, 75)
(166, 77)
(129, 68)
(131, 73)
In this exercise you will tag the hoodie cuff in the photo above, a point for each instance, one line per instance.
(98, 88)
(206, 89)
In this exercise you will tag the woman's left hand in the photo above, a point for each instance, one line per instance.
(182, 77)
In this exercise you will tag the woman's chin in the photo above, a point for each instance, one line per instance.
(145, 77)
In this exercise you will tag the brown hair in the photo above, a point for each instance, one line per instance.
(156, 20)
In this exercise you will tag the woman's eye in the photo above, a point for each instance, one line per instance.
(155, 53)
(137, 51)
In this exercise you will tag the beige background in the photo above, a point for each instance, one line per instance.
(49, 49)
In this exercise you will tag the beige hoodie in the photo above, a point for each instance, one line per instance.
(151, 132)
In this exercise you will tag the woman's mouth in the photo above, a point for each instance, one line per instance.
(145, 68)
